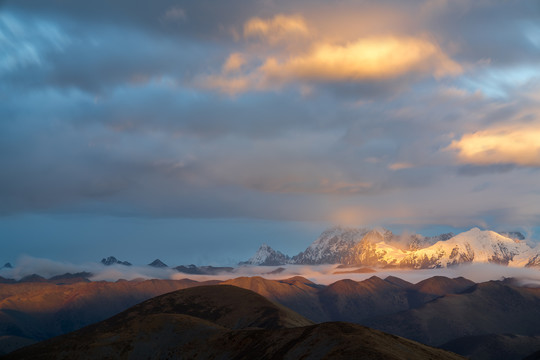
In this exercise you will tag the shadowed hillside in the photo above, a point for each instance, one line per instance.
(34, 311)
(434, 311)
(494, 347)
(492, 307)
(223, 322)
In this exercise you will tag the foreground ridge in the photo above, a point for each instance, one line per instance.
(227, 322)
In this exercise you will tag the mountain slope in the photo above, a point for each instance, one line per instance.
(486, 308)
(166, 327)
(32, 312)
(494, 346)
(225, 305)
(474, 245)
(297, 293)
(158, 264)
(435, 310)
(381, 248)
(111, 260)
(266, 256)
(348, 300)
(331, 247)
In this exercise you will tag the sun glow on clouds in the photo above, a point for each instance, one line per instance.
(234, 62)
(320, 60)
(374, 58)
(511, 144)
(400, 166)
(280, 27)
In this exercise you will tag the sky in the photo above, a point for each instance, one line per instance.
(196, 130)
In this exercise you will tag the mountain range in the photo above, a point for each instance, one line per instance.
(473, 319)
(382, 248)
(225, 322)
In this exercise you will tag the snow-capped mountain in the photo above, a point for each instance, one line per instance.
(514, 235)
(534, 261)
(332, 247)
(267, 256)
(382, 248)
(351, 246)
(475, 246)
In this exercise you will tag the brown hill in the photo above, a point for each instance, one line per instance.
(434, 311)
(494, 346)
(34, 311)
(224, 305)
(297, 293)
(441, 285)
(165, 327)
(399, 282)
(434, 287)
(348, 300)
(486, 308)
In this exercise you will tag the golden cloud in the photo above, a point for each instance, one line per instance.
(323, 60)
(374, 58)
(280, 27)
(234, 62)
(400, 166)
(517, 144)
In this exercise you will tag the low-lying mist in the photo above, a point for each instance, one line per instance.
(321, 274)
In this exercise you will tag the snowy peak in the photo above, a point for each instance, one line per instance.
(382, 248)
(341, 235)
(475, 245)
(266, 256)
(332, 247)
(374, 237)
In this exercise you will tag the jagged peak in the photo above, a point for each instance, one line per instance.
(374, 236)
(111, 260)
(158, 263)
(265, 255)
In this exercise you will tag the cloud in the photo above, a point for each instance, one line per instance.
(28, 265)
(303, 183)
(508, 144)
(279, 28)
(175, 13)
(320, 274)
(400, 166)
(230, 85)
(234, 62)
(374, 58)
(24, 45)
(117, 112)
(320, 60)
